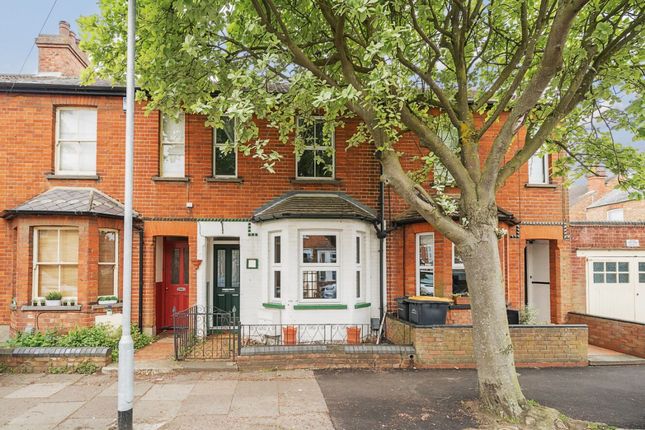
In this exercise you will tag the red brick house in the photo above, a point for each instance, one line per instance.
(215, 229)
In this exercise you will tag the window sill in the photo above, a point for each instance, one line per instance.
(540, 186)
(273, 305)
(302, 307)
(169, 179)
(232, 180)
(362, 305)
(309, 181)
(51, 308)
(52, 176)
(114, 305)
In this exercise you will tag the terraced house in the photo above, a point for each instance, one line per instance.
(321, 240)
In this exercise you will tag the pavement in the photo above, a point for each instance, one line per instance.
(299, 399)
(432, 399)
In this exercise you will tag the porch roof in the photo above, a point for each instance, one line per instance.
(411, 216)
(70, 201)
(314, 205)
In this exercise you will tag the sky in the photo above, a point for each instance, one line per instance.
(21, 21)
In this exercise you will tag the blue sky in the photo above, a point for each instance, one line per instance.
(20, 22)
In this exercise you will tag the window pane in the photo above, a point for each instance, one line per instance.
(172, 128)
(641, 278)
(358, 250)
(86, 124)
(69, 246)
(610, 266)
(107, 246)
(69, 280)
(426, 250)
(172, 160)
(319, 249)
(68, 124)
(277, 284)
(174, 266)
(537, 170)
(598, 278)
(306, 164)
(48, 246)
(623, 278)
(358, 284)
(69, 156)
(623, 266)
(319, 284)
(611, 278)
(598, 267)
(47, 279)
(641, 266)
(186, 266)
(224, 162)
(235, 275)
(227, 133)
(221, 268)
(277, 249)
(106, 280)
(87, 157)
(324, 164)
(459, 285)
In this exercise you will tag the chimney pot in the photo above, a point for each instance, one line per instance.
(63, 28)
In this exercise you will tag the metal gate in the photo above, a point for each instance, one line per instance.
(205, 333)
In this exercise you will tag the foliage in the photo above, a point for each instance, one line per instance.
(54, 295)
(107, 298)
(96, 336)
(528, 316)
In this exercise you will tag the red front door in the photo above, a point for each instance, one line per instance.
(174, 291)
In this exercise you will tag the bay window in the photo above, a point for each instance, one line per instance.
(75, 141)
(173, 146)
(425, 264)
(108, 262)
(319, 266)
(55, 261)
(317, 158)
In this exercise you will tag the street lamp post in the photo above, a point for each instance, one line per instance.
(126, 345)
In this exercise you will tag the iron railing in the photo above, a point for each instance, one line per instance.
(202, 332)
(305, 334)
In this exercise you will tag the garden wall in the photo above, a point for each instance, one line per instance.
(41, 359)
(451, 346)
(623, 336)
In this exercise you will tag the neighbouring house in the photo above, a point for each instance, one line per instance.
(607, 250)
(305, 244)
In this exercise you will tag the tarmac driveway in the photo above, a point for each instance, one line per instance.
(427, 399)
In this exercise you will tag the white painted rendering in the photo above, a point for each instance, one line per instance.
(623, 296)
(254, 283)
(538, 289)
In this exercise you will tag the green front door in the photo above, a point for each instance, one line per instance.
(227, 278)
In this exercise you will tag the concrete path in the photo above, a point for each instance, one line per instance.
(606, 357)
(231, 400)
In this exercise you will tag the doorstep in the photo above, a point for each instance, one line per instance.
(606, 357)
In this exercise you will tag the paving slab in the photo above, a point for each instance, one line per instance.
(11, 408)
(44, 415)
(155, 411)
(140, 388)
(37, 390)
(205, 405)
(176, 392)
(309, 421)
(255, 399)
(299, 396)
(86, 424)
(74, 393)
(98, 407)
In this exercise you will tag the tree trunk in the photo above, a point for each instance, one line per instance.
(499, 388)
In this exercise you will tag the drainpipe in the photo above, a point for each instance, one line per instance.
(140, 322)
(381, 234)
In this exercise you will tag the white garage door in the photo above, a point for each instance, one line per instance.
(616, 285)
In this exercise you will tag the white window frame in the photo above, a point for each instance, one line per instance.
(455, 265)
(302, 267)
(221, 145)
(163, 143)
(359, 241)
(620, 211)
(57, 149)
(317, 147)
(36, 263)
(544, 164)
(275, 267)
(116, 259)
(416, 261)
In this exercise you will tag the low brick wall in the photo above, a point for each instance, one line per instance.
(451, 346)
(61, 319)
(459, 315)
(34, 360)
(623, 336)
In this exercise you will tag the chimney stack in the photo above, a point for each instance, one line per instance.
(597, 183)
(59, 54)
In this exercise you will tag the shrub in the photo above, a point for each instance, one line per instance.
(54, 295)
(528, 316)
(106, 298)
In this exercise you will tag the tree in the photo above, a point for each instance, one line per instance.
(561, 71)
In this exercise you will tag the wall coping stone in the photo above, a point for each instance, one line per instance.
(282, 349)
(51, 308)
(511, 326)
(607, 318)
(83, 351)
(379, 349)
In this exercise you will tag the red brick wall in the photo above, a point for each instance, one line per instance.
(618, 335)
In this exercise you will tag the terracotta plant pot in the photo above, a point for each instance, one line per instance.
(290, 335)
(353, 335)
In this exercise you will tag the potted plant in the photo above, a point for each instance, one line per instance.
(107, 300)
(53, 298)
(35, 302)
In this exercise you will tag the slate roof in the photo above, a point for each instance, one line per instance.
(52, 83)
(614, 196)
(314, 205)
(411, 216)
(69, 201)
